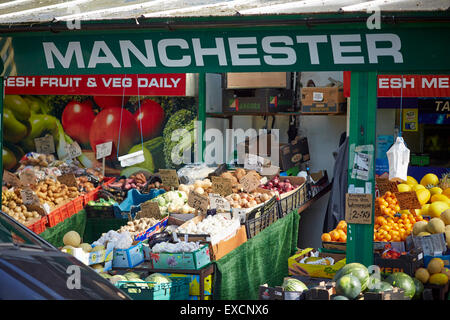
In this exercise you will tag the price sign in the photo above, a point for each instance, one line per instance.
(45, 145)
(408, 200)
(29, 197)
(250, 182)
(169, 177)
(358, 208)
(219, 203)
(11, 179)
(150, 209)
(222, 186)
(385, 185)
(198, 201)
(28, 177)
(36, 207)
(68, 179)
(73, 150)
(103, 150)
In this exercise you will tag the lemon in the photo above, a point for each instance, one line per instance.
(423, 195)
(435, 190)
(403, 187)
(436, 208)
(429, 178)
(440, 197)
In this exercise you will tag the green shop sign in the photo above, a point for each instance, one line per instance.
(210, 50)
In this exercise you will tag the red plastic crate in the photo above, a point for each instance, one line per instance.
(55, 217)
(39, 226)
(78, 204)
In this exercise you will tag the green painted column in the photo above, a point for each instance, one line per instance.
(2, 94)
(362, 131)
(202, 112)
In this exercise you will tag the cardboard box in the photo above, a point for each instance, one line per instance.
(245, 80)
(225, 246)
(407, 263)
(323, 100)
(312, 270)
(278, 293)
(323, 291)
(182, 260)
(94, 257)
(395, 294)
(194, 284)
(258, 100)
(294, 153)
(128, 258)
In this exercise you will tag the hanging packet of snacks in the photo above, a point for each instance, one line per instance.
(398, 157)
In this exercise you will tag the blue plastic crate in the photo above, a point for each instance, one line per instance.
(132, 202)
(177, 289)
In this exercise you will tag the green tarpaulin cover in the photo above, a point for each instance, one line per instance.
(262, 259)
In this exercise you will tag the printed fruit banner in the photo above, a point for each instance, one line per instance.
(92, 120)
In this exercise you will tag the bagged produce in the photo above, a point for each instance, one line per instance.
(398, 157)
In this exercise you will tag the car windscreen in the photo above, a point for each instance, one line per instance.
(12, 233)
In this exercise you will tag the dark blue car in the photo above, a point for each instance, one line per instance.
(32, 268)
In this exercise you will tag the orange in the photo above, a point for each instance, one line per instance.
(388, 237)
(326, 237)
(341, 233)
(344, 238)
(388, 194)
(334, 235)
(397, 208)
(342, 225)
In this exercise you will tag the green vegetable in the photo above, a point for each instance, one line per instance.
(183, 119)
(148, 162)
(18, 106)
(9, 159)
(14, 130)
(41, 124)
(157, 278)
(156, 148)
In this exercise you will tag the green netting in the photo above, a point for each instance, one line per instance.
(262, 259)
(54, 235)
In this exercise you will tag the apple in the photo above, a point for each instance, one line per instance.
(77, 119)
(110, 101)
(106, 125)
(151, 115)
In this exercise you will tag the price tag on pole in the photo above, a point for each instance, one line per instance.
(219, 203)
(11, 179)
(103, 150)
(198, 201)
(29, 197)
(222, 186)
(73, 150)
(358, 208)
(169, 178)
(45, 145)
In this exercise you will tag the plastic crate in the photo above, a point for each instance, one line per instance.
(55, 217)
(132, 202)
(93, 195)
(78, 204)
(261, 218)
(292, 201)
(177, 289)
(39, 226)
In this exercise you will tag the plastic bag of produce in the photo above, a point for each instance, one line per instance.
(398, 157)
(195, 171)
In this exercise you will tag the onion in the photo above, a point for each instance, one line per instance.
(199, 190)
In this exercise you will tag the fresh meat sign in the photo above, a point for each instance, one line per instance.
(414, 86)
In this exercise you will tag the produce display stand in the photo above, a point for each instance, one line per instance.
(203, 273)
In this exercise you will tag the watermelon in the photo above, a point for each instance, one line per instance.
(339, 298)
(381, 286)
(403, 281)
(349, 286)
(292, 284)
(419, 289)
(356, 269)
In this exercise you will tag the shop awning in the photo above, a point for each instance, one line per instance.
(44, 11)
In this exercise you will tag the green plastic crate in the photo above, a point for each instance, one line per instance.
(178, 289)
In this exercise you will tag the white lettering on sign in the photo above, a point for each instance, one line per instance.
(396, 83)
(234, 51)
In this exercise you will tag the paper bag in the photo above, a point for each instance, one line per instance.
(398, 157)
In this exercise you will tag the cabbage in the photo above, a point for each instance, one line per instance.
(130, 275)
(105, 275)
(291, 284)
(157, 278)
(117, 278)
